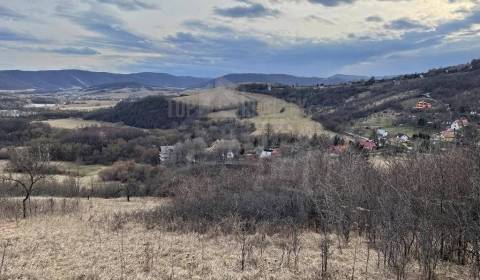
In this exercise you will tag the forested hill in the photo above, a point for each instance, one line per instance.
(149, 112)
(453, 91)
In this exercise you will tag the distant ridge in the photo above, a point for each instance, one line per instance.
(68, 79)
(235, 79)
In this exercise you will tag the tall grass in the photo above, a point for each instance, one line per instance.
(11, 208)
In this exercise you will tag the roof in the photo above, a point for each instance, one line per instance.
(382, 132)
(368, 144)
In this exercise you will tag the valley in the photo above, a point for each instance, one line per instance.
(240, 140)
(252, 181)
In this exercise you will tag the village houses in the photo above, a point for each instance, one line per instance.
(423, 105)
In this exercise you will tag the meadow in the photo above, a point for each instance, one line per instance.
(281, 116)
(74, 123)
(96, 239)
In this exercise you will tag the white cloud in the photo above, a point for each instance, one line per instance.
(109, 35)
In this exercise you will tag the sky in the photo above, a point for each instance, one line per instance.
(210, 38)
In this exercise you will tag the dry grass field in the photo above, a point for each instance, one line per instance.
(283, 117)
(385, 120)
(223, 115)
(86, 174)
(75, 123)
(88, 105)
(217, 98)
(94, 242)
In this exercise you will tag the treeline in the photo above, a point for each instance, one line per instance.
(160, 112)
(17, 131)
(149, 112)
(420, 209)
(106, 145)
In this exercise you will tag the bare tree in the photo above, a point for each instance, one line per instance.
(31, 164)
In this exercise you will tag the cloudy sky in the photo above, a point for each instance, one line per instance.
(214, 37)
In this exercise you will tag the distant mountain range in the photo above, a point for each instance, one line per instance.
(68, 79)
(235, 79)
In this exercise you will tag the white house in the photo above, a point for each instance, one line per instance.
(456, 125)
(402, 138)
(266, 154)
(230, 155)
(382, 133)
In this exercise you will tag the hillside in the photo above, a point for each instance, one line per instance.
(235, 79)
(281, 116)
(215, 99)
(149, 112)
(453, 92)
(65, 79)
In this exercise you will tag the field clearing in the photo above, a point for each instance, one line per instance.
(218, 98)
(75, 123)
(284, 117)
(382, 120)
(87, 174)
(223, 115)
(88, 105)
(94, 243)
(124, 93)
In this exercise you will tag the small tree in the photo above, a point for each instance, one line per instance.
(268, 133)
(131, 188)
(32, 164)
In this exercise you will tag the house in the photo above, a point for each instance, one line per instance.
(402, 138)
(225, 149)
(382, 133)
(456, 125)
(166, 152)
(448, 135)
(266, 153)
(464, 121)
(460, 123)
(368, 145)
(230, 155)
(422, 105)
(269, 153)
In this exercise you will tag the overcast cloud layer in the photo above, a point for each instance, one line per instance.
(215, 37)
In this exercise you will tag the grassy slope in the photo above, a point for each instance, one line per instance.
(86, 173)
(283, 116)
(88, 105)
(85, 245)
(349, 106)
(74, 123)
(218, 98)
